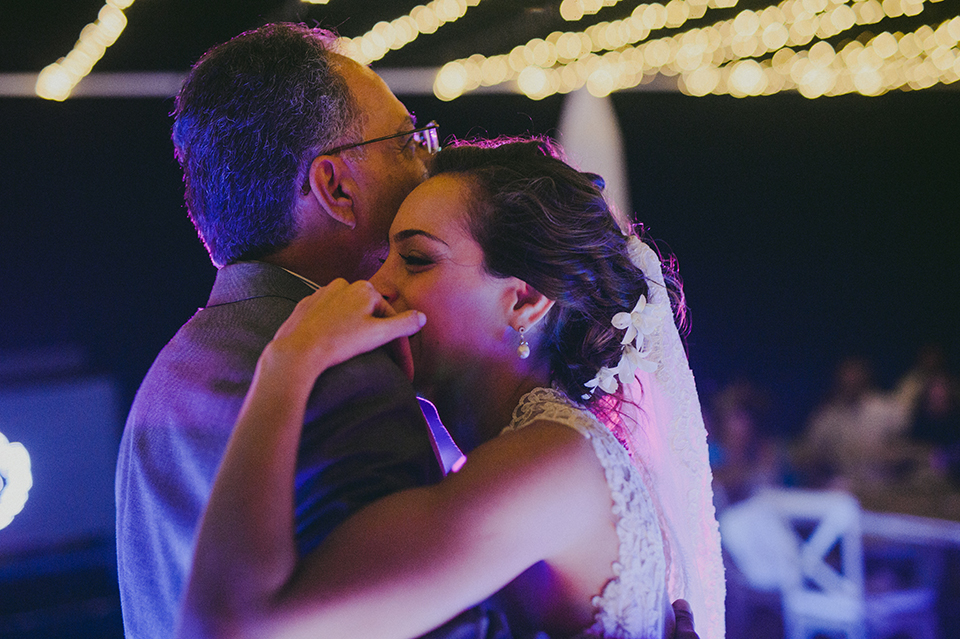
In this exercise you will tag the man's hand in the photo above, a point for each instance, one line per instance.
(684, 630)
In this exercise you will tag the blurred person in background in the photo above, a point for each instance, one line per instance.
(743, 454)
(932, 394)
(849, 439)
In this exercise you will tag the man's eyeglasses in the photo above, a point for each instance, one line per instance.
(427, 137)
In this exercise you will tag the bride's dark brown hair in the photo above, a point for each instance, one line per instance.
(544, 222)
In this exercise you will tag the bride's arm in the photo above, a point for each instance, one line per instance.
(404, 564)
(245, 548)
(410, 561)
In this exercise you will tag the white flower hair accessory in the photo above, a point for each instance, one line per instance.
(643, 320)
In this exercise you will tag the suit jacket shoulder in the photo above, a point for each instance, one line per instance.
(364, 438)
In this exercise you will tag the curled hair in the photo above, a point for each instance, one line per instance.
(540, 220)
(250, 117)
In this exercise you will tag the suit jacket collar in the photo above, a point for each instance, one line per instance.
(247, 280)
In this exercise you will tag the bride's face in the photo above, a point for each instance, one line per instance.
(436, 267)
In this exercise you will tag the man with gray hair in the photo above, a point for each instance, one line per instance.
(295, 162)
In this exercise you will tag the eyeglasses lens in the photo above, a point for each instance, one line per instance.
(428, 139)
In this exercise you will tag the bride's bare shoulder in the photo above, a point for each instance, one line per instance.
(547, 471)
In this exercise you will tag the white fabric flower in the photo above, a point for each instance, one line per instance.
(641, 321)
(632, 321)
(605, 379)
(645, 318)
(631, 361)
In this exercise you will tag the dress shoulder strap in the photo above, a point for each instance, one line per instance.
(548, 404)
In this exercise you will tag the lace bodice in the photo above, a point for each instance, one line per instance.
(632, 604)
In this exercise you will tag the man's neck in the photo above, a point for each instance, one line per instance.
(319, 264)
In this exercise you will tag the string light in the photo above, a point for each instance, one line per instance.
(725, 57)
(721, 57)
(56, 81)
(388, 36)
(573, 10)
(911, 61)
(15, 479)
(567, 47)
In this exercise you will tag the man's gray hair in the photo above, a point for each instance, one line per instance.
(249, 119)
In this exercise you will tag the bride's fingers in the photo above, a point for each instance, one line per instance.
(372, 332)
(342, 320)
(382, 308)
(684, 616)
(409, 322)
(377, 331)
(338, 300)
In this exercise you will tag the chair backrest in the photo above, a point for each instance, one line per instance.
(763, 547)
(826, 529)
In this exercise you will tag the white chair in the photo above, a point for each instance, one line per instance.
(809, 543)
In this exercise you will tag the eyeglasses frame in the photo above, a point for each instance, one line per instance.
(431, 141)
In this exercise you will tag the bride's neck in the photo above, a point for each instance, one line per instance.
(476, 406)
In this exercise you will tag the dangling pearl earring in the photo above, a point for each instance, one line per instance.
(523, 351)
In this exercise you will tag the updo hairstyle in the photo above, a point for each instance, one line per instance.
(540, 220)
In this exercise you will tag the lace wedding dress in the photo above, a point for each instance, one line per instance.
(661, 488)
(632, 604)
(661, 425)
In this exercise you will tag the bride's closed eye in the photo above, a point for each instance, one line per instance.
(416, 261)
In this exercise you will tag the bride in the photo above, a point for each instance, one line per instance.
(546, 337)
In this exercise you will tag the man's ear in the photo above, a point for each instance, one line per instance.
(529, 306)
(331, 185)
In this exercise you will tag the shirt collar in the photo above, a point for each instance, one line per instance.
(313, 285)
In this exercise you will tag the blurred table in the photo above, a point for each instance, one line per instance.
(918, 520)
(929, 496)
(910, 529)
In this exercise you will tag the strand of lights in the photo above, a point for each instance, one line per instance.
(749, 34)
(56, 81)
(573, 10)
(916, 60)
(15, 479)
(387, 36)
(693, 54)
(791, 23)
(466, 74)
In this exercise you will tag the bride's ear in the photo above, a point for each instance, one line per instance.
(530, 305)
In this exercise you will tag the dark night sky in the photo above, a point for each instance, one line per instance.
(805, 230)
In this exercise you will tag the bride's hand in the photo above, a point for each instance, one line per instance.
(340, 321)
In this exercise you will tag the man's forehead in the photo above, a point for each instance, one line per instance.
(379, 105)
(361, 76)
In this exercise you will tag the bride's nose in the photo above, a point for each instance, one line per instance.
(381, 281)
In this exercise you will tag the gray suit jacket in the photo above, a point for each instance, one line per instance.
(364, 437)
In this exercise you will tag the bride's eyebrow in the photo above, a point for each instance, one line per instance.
(405, 234)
